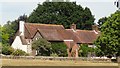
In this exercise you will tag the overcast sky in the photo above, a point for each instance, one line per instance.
(12, 9)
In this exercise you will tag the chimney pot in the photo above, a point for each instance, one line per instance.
(73, 26)
(95, 27)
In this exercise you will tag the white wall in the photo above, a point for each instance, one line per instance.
(21, 27)
(17, 44)
(29, 49)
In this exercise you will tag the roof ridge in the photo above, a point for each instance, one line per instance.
(79, 30)
(85, 30)
(43, 24)
(68, 29)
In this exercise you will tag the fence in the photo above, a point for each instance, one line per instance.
(92, 59)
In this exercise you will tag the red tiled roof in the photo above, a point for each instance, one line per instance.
(49, 31)
(86, 36)
(73, 35)
(51, 34)
(82, 36)
(58, 33)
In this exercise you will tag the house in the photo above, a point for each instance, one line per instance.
(82, 37)
(28, 32)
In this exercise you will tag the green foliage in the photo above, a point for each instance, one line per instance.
(45, 48)
(23, 18)
(0, 34)
(109, 41)
(42, 46)
(0, 48)
(59, 49)
(7, 50)
(98, 50)
(8, 31)
(54, 55)
(4, 36)
(101, 21)
(84, 50)
(19, 52)
(63, 13)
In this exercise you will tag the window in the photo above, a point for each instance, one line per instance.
(37, 38)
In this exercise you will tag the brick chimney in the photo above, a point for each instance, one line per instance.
(95, 27)
(73, 26)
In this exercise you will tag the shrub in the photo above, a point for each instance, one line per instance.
(19, 52)
(54, 55)
(85, 50)
(7, 50)
(59, 48)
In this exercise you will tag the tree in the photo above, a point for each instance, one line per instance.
(59, 48)
(23, 18)
(85, 50)
(101, 21)
(8, 31)
(109, 41)
(42, 46)
(0, 34)
(10, 28)
(63, 13)
(57, 0)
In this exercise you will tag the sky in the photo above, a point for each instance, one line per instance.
(12, 9)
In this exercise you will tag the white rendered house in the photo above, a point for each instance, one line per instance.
(20, 42)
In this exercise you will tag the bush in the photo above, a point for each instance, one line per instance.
(45, 48)
(19, 52)
(54, 55)
(7, 50)
(42, 46)
(85, 50)
(59, 48)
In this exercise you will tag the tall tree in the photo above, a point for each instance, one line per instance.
(10, 28)
(108, 43)
(8, 31)
(59, 48)
(63, 13)
(23, 18)
(0, 34)
(101, 21)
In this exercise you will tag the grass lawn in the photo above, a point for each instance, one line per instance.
(38, 62)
